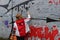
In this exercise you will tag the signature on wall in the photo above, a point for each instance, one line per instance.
(6, 5)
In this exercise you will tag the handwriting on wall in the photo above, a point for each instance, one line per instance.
(56, 2)
(10, 3)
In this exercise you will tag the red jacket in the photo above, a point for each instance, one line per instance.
(21, 27)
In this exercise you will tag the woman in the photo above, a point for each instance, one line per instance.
(20, 26)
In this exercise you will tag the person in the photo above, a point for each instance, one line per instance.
(13, 36)
(20, 26)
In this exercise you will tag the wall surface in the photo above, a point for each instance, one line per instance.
(37, 8)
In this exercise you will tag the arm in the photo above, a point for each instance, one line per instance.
(14, 27)
(28, 18)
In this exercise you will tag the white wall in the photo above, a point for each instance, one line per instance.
(40, 9)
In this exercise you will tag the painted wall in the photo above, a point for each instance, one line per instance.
(38, 9)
